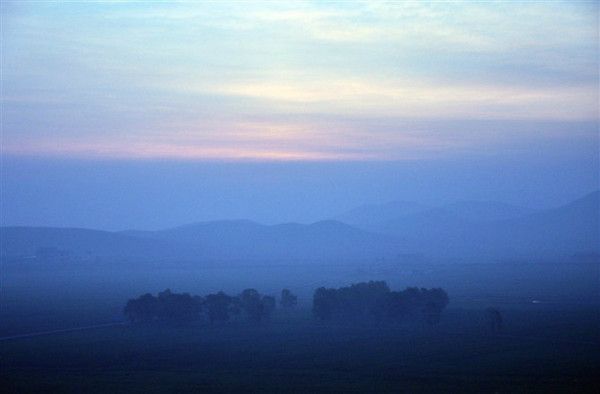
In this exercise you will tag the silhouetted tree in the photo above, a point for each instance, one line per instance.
(414, 302)
(235, 307)
(199, 300)
(174, 307)
(217, 306)
(393, 306)
(434, 302)
(168, 306)
(256, 306)
(359, 300)
(177, 307)
(324, 303)
(142, 309)
(370, 300)
(250, 302)
(288, 300)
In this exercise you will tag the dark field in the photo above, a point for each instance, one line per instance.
(538, 351)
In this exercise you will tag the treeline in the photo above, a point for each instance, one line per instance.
(218, 307)
(375, 301)
(359, 302)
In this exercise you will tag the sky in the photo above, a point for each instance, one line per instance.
(150, 114)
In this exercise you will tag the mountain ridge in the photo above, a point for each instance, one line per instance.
(487, 231)
(215, 240)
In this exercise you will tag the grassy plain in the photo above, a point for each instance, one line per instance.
(539, 351)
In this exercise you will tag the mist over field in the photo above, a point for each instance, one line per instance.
(299, 196)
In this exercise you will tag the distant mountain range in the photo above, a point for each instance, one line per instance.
(373, 216)
(243, 239)
(465, 230)
(488, 229)
(79, 243)
(394, 216)
(234, 240)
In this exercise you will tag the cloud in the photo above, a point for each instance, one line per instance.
(410, 98)
(191, 80)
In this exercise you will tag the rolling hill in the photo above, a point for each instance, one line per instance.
(79, 243)
(467, 231)
(489, 230)
(372, 216)
(243, 239)
(209, 241)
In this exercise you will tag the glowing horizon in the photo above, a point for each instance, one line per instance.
(303, 81)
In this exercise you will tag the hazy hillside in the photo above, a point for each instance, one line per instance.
(463, 231)
(394, 216)
(461, 216)
(372, 216)
(499, 231)
(476, 211)
(242, 239)
(221, 240)
(567, 229)
(78, 243)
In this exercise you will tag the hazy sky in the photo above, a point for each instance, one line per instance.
(289, 110)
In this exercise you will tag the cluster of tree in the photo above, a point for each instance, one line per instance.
(360, 301)
(375, 300)
(217, 307)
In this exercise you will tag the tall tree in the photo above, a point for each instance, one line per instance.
(288, 300)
